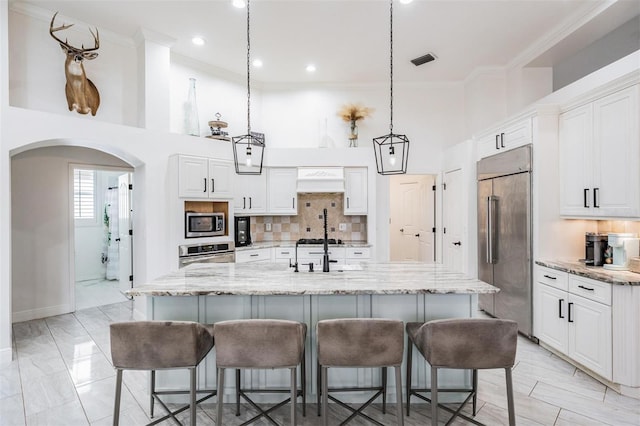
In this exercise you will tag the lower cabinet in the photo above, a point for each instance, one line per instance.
(253, 255)
(572, 314)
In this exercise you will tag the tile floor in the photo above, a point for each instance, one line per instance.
(62, 375)
(92, 293)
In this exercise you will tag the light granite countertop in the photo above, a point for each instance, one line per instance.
(593, 272)
(256, 279)
(271, 244)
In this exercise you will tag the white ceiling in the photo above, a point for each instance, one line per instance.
(348, 41)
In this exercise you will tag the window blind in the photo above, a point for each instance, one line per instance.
(84, 194)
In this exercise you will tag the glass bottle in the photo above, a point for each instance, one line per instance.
(192, 124)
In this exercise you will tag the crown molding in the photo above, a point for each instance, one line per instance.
(144, 34)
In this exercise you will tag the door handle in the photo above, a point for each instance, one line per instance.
(497, 142)
(244, 203)
(213, 186)
(401, 229)
(560, 308)
(491, 200)
(501, 140)
(457, 243)
(586, 197)
(417, 235)
(570, 305)
(205, 185)
(596, 198)
(249, 202)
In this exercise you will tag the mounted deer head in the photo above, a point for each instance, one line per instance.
(82, 94)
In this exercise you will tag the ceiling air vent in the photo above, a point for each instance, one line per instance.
(424, 59)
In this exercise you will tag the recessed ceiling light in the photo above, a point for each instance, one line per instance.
(257, 63)
(311, 68)
(239, 3)
(406, 1)
(198, 41)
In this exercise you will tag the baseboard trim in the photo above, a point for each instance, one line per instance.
(48, 311)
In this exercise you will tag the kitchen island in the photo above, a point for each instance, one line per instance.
(208, 293)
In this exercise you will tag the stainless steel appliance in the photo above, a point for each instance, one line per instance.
(595, 248)
(504, 235)
(206, 253)
(197, 224)
(242, 231)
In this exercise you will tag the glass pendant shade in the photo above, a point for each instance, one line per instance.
(248, 153)
(392, 154)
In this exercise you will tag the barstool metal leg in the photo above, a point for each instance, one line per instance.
(303, 383)
(512, 411)
(319, 386)
(116, 405)
(384, 390)
(294, 395)
(151, 395)
(220, 390)
(434, 396)
(325, 397)
(237, 392)
(399, 412)
(192, 395)
(475, 390)
(408, 378)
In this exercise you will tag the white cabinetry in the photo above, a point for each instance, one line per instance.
(281, 187)
(250, 194)
(355, 194)
(357, 254)
(200, 177)
(573, 315)
(505, 138)
(600, 157)
(253, 255)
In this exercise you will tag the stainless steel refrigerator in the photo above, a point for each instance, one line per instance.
(504, 235)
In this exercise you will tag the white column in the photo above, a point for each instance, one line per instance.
(154, 68)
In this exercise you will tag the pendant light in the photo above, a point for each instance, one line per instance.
(248, 149)
(392, 150)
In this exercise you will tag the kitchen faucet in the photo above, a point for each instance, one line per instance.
(325, 259)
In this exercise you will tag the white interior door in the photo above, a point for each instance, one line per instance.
(453, 217)
(124, 226)
(412, 218)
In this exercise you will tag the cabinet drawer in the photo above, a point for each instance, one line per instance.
(255, 255)
(552, 277)
(597, 291)
(285, 252)
(358, 252)
(334, 252)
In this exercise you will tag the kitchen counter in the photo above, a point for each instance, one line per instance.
(272, 244)
(251, 279)
(593, 272)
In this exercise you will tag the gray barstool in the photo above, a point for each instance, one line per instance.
(462, 344)
(160, 345)
(360, 343)
(260, 344)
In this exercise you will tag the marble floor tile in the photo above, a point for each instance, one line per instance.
(131, 416)
(47, 392)
(10, 379)
(551, 368)
(37, 346)
(92, 319)
(580, 384)
(90, 369)
(119, 312)
(70, 414)
(97, 398)
(491, 414)
(12, 410)
(37, 366)
(614, 399)
(66, 321)
(569, 418)
(521, 383)
(30, 329)
(69, 332)
(78, 347)
(586, 406)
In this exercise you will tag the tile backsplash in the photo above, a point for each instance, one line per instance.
(606, 226)
(309, 222)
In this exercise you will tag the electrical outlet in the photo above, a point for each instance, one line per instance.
(342, 227)
(267, 227)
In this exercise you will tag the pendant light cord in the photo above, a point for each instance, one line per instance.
(248, 68)
(391, 64)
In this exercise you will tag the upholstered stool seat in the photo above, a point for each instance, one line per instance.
(462, 344)
(159, 345)
(360, 343)
(260, 344)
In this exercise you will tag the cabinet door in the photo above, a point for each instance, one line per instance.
(516, 135)
(550, 316)
(281, 189)
(576, 192)
(355, 195)
(590, 334)
(250, 194)
(192, 177)
(616, 154)
(488, 145)
(221, 178)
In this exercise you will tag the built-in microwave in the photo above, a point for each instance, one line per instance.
(203, 224)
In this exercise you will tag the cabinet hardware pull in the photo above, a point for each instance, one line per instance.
(586, 288)
(357, 252)
(205, 185)
(497, 143)
(347, 202)
(213, 186)
(244, 203)
(570, 305)
(249, 202)
(560, 308)
(254, 255)
(284, 252)
(457, 243)
(549, 276)
(596, 198)
(502, 140)
(293, 202)
(586, 197)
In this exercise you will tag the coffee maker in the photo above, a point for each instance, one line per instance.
(622, 247)
(595, 248)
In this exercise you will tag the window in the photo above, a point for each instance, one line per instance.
(84, 194)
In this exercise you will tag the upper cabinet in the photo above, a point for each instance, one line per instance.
(250, 194)
(200, 177)
(355, 194)
(505, 138)
(600, 157)
(281, 189)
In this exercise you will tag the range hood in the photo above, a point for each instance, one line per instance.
(320, 179)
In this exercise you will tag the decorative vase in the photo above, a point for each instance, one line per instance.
(192, 125)
(353, 137)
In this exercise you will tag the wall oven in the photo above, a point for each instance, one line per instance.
(206, 253)
(198, 224)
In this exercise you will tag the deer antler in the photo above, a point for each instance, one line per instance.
(52, 30)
